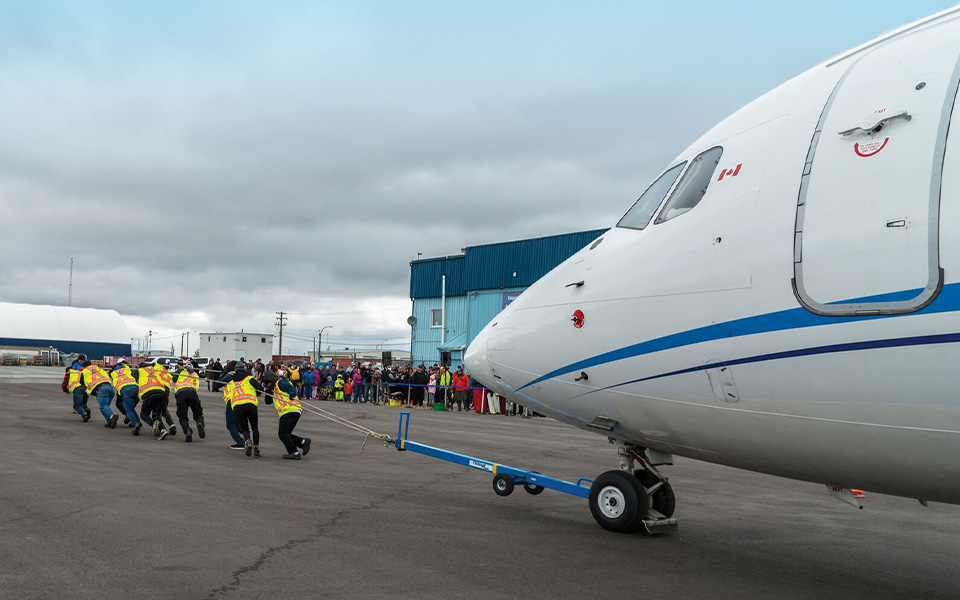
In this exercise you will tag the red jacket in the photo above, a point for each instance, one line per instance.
(460, 383)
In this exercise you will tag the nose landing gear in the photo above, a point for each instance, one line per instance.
(629, 498)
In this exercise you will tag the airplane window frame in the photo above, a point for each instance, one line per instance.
(696, 179)
(679, 168)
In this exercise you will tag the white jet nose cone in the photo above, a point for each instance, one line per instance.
(476, 361)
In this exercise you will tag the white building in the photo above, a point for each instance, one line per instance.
(42, 328)
(234, 346)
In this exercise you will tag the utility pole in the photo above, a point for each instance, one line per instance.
(149, 341)
(70, 289)
(320, 340)
(281, 321)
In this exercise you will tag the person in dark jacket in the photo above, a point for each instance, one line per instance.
(230, 417)
(73, 384)
(244, 392)
(284, 398)
(419, 379)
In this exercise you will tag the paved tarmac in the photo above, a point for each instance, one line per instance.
(89, 512)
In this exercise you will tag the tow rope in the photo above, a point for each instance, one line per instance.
(326, 414)
(368, 433)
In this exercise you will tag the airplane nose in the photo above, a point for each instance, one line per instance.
(477, 361)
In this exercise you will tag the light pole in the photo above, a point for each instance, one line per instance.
(320, 339)
(380, 345)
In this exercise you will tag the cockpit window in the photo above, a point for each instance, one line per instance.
(639, 214)
(692, 186)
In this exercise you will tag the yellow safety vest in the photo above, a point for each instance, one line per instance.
(187, 380)
(284, 403)
(242, 392)
(444, 379)
(227, 395)
(74, 380)
(166, 378)
(150, 381)
(122, 377)
(94, 376)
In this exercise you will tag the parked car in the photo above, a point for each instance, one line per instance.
(170, 362)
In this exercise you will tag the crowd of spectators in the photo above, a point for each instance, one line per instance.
(422, 386)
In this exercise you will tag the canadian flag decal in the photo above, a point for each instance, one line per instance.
(730, 172)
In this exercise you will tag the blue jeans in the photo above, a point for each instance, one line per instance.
(104, 397)
(232, 425)
(129, 397)
(358, 393)
(80, 401)
(307, 390)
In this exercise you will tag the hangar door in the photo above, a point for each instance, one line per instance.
(866, 236)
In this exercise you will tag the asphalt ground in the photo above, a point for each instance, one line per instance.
(89, 512)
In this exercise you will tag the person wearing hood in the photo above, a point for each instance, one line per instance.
(338, 386)
(244, 392)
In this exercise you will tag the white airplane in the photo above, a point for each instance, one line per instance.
(784, 298)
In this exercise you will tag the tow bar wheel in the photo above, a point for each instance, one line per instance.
(532, 488)
(503, 484)
(617, 501)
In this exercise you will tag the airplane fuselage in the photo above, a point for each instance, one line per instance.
(800, 317)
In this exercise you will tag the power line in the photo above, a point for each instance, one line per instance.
(349, 312)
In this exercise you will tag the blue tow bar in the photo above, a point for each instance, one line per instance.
(533, 482)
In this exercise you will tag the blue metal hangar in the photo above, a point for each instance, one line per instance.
(454, 297)
(36, 327)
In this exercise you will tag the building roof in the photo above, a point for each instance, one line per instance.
(61, 323)
(492, 266)
(458, 342)
(254, 333)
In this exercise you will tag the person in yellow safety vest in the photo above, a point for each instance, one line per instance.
(243, 398)
(338, 388)
(152, 391)
(73, 385)
(127, 389)
(295, 378)
(443, 388)
(229, 416)
(187, 396)
(287, 403)
(98, 384)
(165, 406)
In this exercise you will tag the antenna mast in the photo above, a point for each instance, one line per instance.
(70, 289)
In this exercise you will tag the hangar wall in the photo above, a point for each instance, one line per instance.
(479, 284)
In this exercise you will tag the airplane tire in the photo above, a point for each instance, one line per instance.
(663, 500)
(617, 501)
(532, 488)
(503, 485)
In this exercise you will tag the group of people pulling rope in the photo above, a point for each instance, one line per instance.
(150, 387)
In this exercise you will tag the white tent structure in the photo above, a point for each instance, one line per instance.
(96, 333)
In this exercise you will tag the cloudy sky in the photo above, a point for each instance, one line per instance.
(209, 163)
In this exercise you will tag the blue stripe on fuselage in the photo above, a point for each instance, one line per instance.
(921, 340)
(795, 318)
